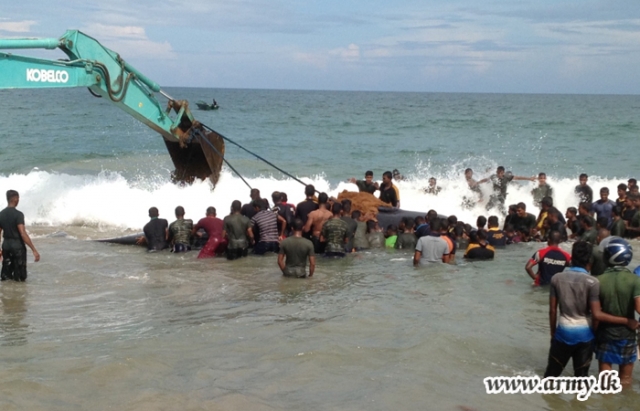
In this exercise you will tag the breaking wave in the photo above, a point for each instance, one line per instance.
(109, 200)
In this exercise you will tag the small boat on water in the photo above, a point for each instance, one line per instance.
(206, 106)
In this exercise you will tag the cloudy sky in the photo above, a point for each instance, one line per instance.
(525, 46)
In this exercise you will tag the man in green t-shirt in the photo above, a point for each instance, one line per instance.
(407, 240)
(619, 296)
(237, 230)
(294, 253)
(543, 190)
(367, 185)
(617, 225)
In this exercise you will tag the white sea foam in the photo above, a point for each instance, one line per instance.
(109, 200)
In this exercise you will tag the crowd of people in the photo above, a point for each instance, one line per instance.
(334, 229)
(597, 294)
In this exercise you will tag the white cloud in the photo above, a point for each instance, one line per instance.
(313, 59)
(378, 52)
(129, 41)
(16, 26)
(595, 37)
(349, 53)
(122, 32)
(321, 59)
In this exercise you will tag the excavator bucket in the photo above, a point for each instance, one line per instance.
(196, 151)
(197, 158)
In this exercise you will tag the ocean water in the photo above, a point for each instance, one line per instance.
(101, 326)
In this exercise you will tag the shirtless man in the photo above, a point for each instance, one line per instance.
(316, 220)
(470, 201)
(473, 184)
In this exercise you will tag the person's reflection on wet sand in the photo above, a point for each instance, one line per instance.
(13, 330)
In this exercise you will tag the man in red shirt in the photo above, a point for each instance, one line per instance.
(213, 226)
(550, 260)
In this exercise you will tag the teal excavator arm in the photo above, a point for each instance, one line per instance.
(107, 75)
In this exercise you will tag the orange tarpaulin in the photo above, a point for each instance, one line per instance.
(366, 203)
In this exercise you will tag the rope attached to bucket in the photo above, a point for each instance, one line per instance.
(202, 137)
(255, 155)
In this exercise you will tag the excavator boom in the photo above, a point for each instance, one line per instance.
(195, 151)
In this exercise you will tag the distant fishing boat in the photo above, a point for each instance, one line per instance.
(206, 106)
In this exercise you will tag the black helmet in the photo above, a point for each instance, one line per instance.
(618, 252)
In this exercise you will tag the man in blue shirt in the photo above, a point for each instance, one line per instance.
(604, 206)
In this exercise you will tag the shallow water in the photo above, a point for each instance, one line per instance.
(100, 326)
